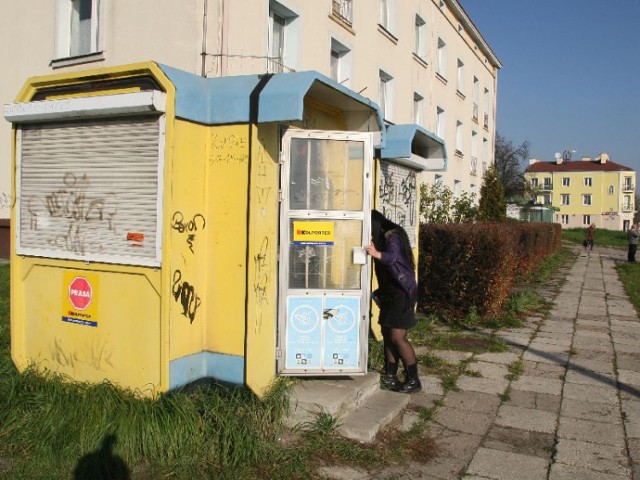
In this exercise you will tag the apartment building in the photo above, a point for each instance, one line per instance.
(590, 190)
(423, 62)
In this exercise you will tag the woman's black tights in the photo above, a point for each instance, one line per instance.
(397, 347)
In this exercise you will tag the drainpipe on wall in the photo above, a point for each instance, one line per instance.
(203, 54)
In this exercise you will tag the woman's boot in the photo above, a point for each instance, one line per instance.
(389, 379)
(411, 382)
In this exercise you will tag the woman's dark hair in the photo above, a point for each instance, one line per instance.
(381, 225)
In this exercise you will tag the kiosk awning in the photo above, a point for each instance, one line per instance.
(415, 147)
(227, 100)
(282, 99)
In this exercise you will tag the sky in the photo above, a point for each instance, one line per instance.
(571, 74)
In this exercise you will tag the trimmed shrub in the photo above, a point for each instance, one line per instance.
(474, 266)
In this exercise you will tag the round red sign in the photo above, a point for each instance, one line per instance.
(80, 293)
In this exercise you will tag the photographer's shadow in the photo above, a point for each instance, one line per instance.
(102, 464)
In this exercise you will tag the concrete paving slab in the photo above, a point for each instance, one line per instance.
(550, 385)
(590, 431)
(589, 354)
(570, 472)
(628, 361)
(547, 370)
(590, 378)
(546, 357)
(621, 348)
(610, 459)
(595, 393)
(474, 423)
(500, 465)
(520, 441)
(504, 358)
(455, 451)
(629, 377)
(473, 402)
(489, 370)
(587, 410)
(484, 385)
(584, 364)
(526, 419)
(536, 400)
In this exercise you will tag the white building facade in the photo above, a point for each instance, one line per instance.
(422, 61)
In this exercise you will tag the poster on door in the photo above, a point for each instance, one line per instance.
(341, 335)
(304, 333)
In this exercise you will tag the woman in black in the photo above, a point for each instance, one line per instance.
(396, 297)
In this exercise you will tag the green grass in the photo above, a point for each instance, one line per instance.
(604, 237)
(629, 275)
(549, 266)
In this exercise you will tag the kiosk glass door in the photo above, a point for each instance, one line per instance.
(324, 272)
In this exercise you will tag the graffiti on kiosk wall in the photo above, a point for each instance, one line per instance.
(397, 194)
(190, 227)
(5, 200)
(262, 259)
(230, 149)
(81, 218)
(185, 294)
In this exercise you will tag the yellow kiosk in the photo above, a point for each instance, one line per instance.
(170, 227)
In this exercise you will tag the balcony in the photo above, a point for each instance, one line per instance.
(628, 187)
(626, 208)
(343, 9)
(546, 187)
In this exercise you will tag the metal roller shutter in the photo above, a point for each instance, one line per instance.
(90, 190)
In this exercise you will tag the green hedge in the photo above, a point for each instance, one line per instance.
(465, 266)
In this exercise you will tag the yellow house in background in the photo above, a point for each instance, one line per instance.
(585, 191)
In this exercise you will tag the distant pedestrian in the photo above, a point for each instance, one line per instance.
(632, 238)
(591, 236)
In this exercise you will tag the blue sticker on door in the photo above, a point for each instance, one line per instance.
(341, 339)
(304, 333)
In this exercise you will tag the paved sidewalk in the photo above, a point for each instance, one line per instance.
(573, 412)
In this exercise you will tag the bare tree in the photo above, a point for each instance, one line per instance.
(511, 162)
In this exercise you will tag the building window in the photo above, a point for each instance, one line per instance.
(534, 182)
(442, 58)
(564, 199)
(588, 181)
(420, 48)
(438, 179)
(547, 183)
(546, 199)
(343, 9)
(386, 94)
(566, 181)
(626, 203)
(586, 219)
(459, 137)
(586, 199)
(486, 108)
(474, 153)
(440, 122)
(628, 185)
(418, 102)
(460, 83)
(564, 219)
(476, 98)
(388, 15)
(457, 188)
(611, 190)
(78, 28)
(283, 38)
(340, 62)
